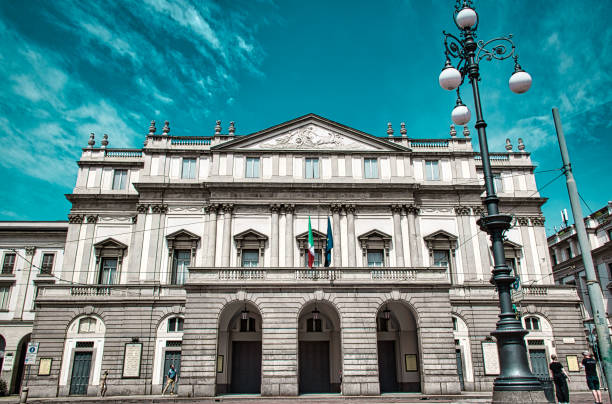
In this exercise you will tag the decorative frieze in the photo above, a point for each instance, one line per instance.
(76, 218)
(159, 208)
(30, 250)
(478, 210)
(462, 210)
(537, 221)
(92, 218)
(522, 220)
(412, 209)
(142, 208)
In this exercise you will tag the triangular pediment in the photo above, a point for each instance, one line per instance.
(250, 234)
(311, 133)
(110, 243)
(315, 235)
(374, 235)
(182, 235)
(440, 235)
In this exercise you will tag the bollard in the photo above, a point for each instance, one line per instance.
(23, 397)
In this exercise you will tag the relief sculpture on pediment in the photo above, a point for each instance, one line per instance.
(311, 137)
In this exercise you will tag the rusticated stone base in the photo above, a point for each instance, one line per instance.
(514, 397)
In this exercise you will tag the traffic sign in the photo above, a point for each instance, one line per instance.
(30, 357)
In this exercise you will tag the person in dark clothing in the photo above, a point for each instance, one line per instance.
(560, 378)
(590, 369)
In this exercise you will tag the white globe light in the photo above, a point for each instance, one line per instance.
(466, 18)
(520, 82)
(461, 115)
(449, 78)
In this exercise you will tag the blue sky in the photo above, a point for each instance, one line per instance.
(75, 67)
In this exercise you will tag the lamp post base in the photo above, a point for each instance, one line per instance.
(514, 397)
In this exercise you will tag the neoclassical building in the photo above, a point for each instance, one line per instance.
(191, 251)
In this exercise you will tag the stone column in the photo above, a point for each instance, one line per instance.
(398, 242)
(274, 239)
(466, 248)
(22, 292)
(528, 265)
(335, 208)
(136, 242)
(350, 221)
(227, 234)
(72, 246)
(289, 241)
(87, 247)
(413, 237)
(156, 251)
(212, 235)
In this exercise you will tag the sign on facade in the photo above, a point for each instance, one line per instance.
(7, 365)
(131, 360)
(30, 357)
(490, 358)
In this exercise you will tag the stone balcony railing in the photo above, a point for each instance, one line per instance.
(110, 293)
(300, 276)
(485, 291)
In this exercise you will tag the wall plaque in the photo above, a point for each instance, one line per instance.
(490, 358)
(131, 359)
(410, 362)
(44, 366)
(572, 363)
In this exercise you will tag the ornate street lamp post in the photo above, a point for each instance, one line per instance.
(515, 383)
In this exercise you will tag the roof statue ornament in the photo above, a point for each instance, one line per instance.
(91, 141)
(152, 128)
(166, 129)
(453, 131)
(466, 131)
(403, 130)
(521, 145)
(389, 129)
(232, 128)
(508, 145)
(104, 141)
(218, 128)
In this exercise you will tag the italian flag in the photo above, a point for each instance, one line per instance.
(311, 251)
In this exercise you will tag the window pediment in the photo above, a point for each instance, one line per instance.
(110, 243)
(441, 240)
(250, 235)
(183, 239)
(110, 248)
(320, 240)
(183, 235)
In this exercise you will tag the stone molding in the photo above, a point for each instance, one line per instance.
(537, 221)
(522, 220)
(142, 208)
(462, 210)
(159, 208)
(30, 250)
(92, 218)
(76, 218)
(478, 210)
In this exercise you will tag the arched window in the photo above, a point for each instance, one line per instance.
(87, 325)
(532, 323)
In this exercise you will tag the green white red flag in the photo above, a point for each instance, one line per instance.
(311, 250)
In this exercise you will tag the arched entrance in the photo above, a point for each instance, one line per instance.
(239, 350)
(320, 363)
(398, 349)
(19, 365)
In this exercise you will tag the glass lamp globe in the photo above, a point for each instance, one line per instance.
(520, 82)
(466, 18)
(449, 78)
(461, 115)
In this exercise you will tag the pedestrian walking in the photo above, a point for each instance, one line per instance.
(170, 380)
(590, 368)
(560, 378)
(103, 384)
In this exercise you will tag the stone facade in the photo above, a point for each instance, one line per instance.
(192, 250)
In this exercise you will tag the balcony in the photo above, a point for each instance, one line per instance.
(110, 293)
(318, 276)
(485, 291)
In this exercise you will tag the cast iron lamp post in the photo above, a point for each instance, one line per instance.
(516, 382)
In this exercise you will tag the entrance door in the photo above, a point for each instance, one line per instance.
(172, 358)
(314, 367)
(246, 367)
(539, 367)
(80, 373)
(460, 368)
(387, 373)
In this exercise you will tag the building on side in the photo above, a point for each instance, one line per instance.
(192, 251)
(568, 268)
(32, 256)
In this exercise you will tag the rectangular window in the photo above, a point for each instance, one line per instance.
(247, 324)
(5, 292)
(317, 260)
(498, 184)
(511, 262)
(375, 258)
(312, 168)
(250, 258)
(108, 271)
(441, 258)
(47, 263)
(610, 234)
(189, 169)
(383, 324)
(180, 261)
(432, 170)
(120, 179)
(252, 167)
(314, 325)
(9, 263)
(370, 168)
(554, 258)
(568, 252)
(175, 324)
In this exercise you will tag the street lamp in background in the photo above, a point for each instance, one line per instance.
(515, 383)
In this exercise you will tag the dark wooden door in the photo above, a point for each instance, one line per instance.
(460, 368)
(387, 372)
(246, 367)
(539, 365)
(80, 373)
(172, 358)
(314, 367)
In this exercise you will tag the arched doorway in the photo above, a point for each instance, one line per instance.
(320, 362)
(2, 349)
(19, 374)
(239, 350)
(463, 353)
(168, 347)
(398, 349)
